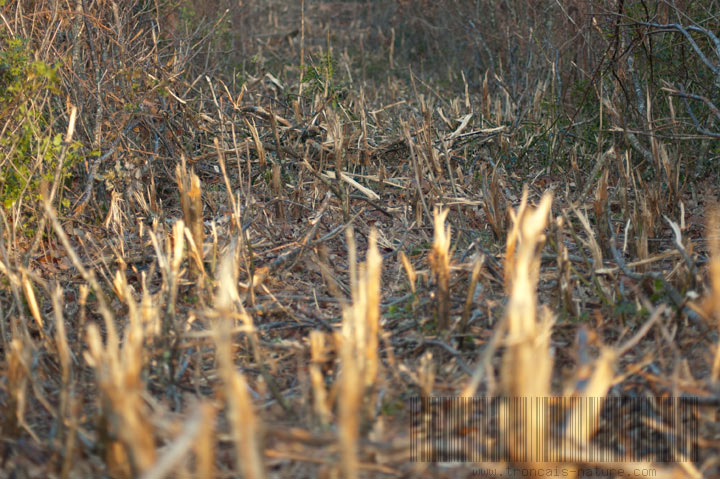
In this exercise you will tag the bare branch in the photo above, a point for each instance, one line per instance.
(684, 30)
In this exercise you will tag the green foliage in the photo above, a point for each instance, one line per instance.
(13, 62)
(31, 145)
(188, 16)
(319, 73)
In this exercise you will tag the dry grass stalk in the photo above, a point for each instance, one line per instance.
(586, 404)
(565, 289)
(643, 222)
(494, 202)
(601, 207)
(470, 295)
(226, 295)
(421, 207)
(18, 373)
(205, 443)
(427, 372)
(362, 318)
(84, 291)
(177, 451)
(336, 288)
(149, 312)
(277, 188)
(61, 342)
(230, 195)
(565, 283)
(276, 136)
(440, 265)
(485, 98)
(71, 448)
(711, 304)
(371, 283)
(382, 175)
(511, 243)
(67, 416)
(228, 301)
(302, 56)
(527, 363)
(32, 304)
(430, 154)
(116, 216)
(277, 169)
(672, 173)
(351, 182)
(412, 277)
(409, 270)
(190, 192)
(600, 164)
(126, 431)
(259, 148)
(336, 135)
(365, 146)
(351, 393)
(123, 412)
(14, 283)
(245, 425)
(358, 347)
(170, 259)
(317, 358)
(591, 242)
(498, 111)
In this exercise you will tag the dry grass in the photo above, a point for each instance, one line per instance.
(257, 271)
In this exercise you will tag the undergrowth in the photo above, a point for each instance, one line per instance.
(260, 238)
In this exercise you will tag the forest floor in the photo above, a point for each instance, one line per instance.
(205, 296)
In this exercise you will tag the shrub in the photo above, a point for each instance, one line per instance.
(31, 145)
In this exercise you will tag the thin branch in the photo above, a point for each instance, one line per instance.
(699, 128)
(684, 30)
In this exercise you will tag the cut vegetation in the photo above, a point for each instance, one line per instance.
(254, 239)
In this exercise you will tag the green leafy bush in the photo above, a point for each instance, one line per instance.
(31, 142)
